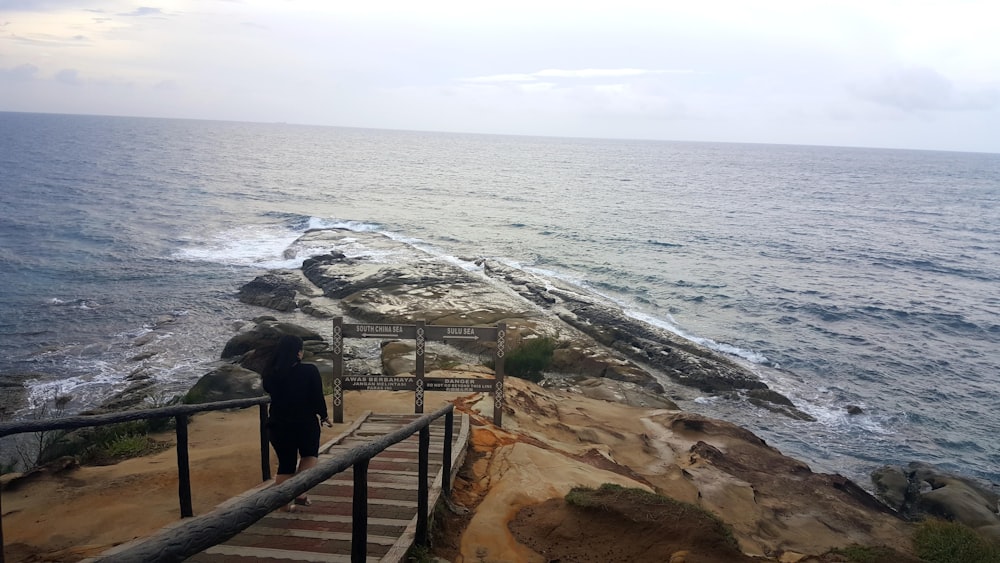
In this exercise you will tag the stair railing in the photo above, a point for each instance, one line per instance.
(180, 413)
(198, 534)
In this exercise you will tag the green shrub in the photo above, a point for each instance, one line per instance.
(419, 554)
(160, 400)
(113, 443)
(9, 467)
(865, 554)
(128, 446)
(938, 541)
(194, 396)
(530, 358)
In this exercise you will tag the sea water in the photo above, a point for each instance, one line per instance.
(843, 276)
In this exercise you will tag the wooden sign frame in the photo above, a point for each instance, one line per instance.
(418, 383)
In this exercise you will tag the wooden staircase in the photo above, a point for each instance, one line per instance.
(322, 532)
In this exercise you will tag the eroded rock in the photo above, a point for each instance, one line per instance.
(272, 291)
(595, 337)
(774, 504)
(921, 489)
(226, 383)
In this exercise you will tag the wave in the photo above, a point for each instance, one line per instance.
(268, 246)
(922, 265)
(728, 349)
(85, 304)
(670, 326)
(664, 244)
(279, 246)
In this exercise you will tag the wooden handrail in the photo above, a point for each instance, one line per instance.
(179, 412)
(72, 422)
(200, 533)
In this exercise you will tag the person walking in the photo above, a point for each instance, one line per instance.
(296, 412)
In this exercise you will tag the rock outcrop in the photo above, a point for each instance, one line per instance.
(596, 337)
(271, 290)
(13, 393)
(226, 383)
(254, 347)
(680, 359)
(553, 441)
(921, 489)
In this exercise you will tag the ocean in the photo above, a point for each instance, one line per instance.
(843, 276)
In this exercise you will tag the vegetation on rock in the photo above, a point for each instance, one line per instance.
(939, 541)
(529, 358)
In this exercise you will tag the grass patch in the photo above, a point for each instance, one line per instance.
(865, 554)
(938, 541)
(529, 358)
(419, 554)
(111, 444)
(126, 446)
(610, 497)
(9, 467)
(103, 445)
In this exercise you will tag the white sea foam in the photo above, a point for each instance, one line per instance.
(83, 390)
(261, 246)
(729, 349)
(572, 280)
(823, 403)
(670, 325)
(267, 246)
(85, 304)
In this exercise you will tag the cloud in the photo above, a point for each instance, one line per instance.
(37, 5)
(143, 11)
(923, 89)
(68, 76)
(702, 71)
(19, 73)
(585, 73)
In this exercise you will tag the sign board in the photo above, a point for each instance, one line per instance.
(421, 333)
(378, 383)
(445, 333)
(459, 384)
(379, 331)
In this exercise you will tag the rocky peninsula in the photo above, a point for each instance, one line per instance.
(602, 415)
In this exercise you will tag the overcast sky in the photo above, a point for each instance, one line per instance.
(905, 74)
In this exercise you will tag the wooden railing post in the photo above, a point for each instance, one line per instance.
(449, 421)
(359, 510)
(265, 452)
(1, 534)
(423, 458)
(183, 467)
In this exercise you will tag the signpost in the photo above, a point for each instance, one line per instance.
(419, 383)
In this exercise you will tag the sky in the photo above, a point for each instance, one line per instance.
(875, 73)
